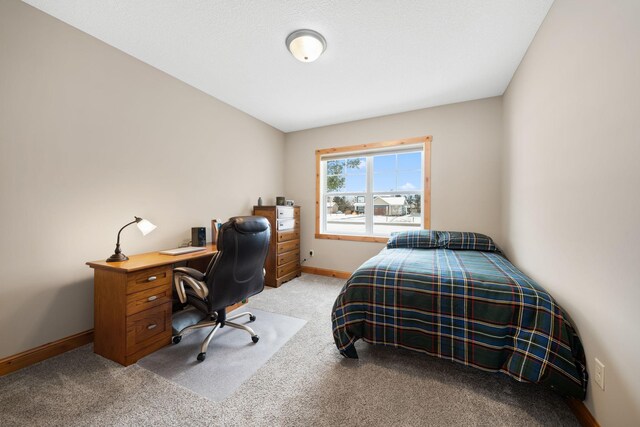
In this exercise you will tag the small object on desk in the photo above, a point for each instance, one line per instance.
(289, 202)
(259, 201)
(214, 231)
(280, 200)
(143, 225)
(198, 236)
(182, 251)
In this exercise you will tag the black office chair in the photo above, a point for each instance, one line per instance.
(235, 273)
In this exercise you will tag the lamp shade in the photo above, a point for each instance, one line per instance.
(306, 45)
(145, 226)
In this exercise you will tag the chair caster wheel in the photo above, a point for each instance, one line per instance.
(201, 356)
(252, 318)
(177, 339)
(255, 338)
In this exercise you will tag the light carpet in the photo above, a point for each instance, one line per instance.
(306, 383)
(231, 359)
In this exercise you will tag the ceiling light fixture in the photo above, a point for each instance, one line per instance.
(306, 45)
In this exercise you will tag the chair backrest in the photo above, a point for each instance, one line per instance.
(237, 273)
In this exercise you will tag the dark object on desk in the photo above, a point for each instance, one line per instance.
(280, 200)
(143, 225)
(234, 274)
(198, 236)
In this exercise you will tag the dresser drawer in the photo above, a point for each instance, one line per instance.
(287, 257)
(148, 326)
(286, 224)
(149, 298)
(288, 268)
(291, 245)
(283, 212)
(285, 236)
(149, 278)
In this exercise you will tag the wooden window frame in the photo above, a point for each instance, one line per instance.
(426, 208)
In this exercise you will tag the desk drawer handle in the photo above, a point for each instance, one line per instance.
(151, 279)
(152, 298)
(151, 326)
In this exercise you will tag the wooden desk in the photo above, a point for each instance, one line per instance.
(132, 303)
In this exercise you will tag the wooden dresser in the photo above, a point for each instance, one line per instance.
(283, 260)
(132, 304)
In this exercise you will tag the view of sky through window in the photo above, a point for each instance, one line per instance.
(391, 172)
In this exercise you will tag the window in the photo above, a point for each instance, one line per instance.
(365, 192)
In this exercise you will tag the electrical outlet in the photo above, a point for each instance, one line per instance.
(311, 253)
(599, 376)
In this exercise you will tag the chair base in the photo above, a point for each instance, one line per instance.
(205, 323)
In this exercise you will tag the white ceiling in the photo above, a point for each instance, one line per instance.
(382, 57)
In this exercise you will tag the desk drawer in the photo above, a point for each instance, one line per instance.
(288, 268)
(148, 326)
(285, 236)
(149, 298)
(149, 278)
(291, 245)
(288, 257)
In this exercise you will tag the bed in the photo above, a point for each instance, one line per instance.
(454, 295)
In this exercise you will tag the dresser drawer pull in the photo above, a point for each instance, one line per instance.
(152, 298)
(151, 326)
(151, 278)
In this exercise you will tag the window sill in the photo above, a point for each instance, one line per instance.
(352, 238)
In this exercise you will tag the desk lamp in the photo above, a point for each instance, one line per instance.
(145, 227)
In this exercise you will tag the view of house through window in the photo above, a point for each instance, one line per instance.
(372, 193)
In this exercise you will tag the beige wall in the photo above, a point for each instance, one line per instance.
(89, 137)
(572, 184)
(465, 162)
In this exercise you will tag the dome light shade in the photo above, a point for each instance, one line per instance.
(306, 45)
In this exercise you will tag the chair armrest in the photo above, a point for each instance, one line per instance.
(198, 275)
(182, 276)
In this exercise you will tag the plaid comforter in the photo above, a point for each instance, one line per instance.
(471, 307)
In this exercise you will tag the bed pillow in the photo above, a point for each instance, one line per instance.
(466, 240)
(423, 239)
